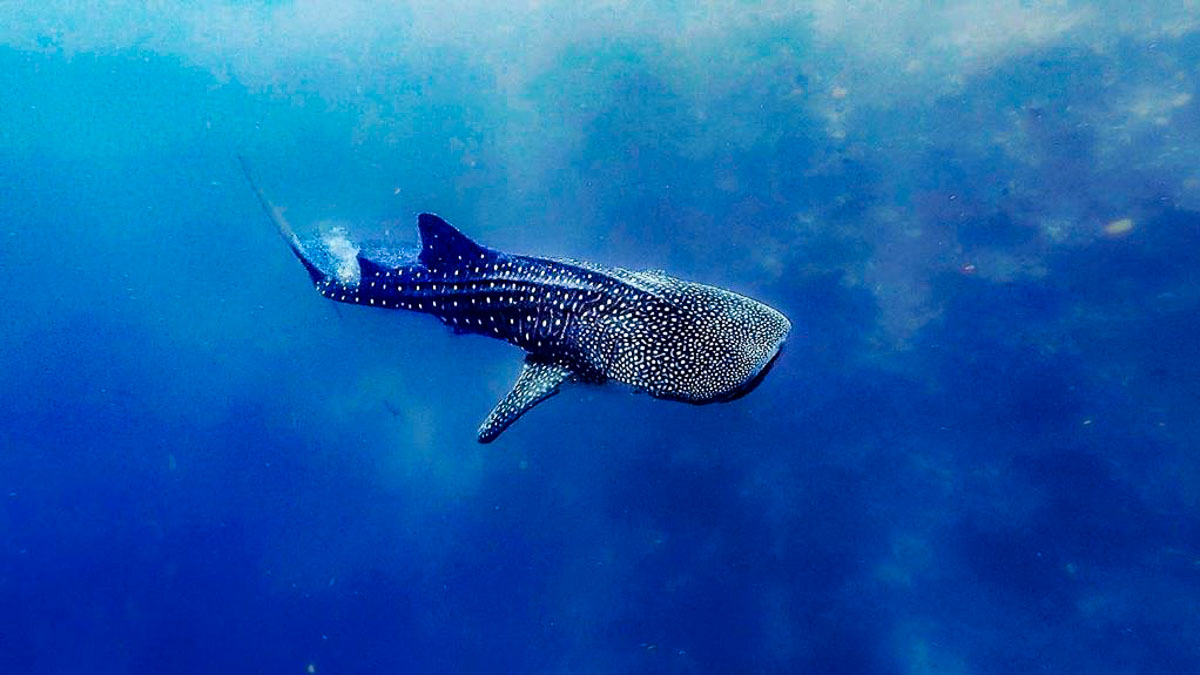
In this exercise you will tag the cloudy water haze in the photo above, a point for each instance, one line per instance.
(979, 451)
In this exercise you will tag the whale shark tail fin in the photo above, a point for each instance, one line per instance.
(441, 242)
(281, 224)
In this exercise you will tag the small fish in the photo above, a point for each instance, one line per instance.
(576, 321)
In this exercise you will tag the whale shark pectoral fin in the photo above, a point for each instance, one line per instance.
(537, 382)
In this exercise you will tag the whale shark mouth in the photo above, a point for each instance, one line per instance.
(752, 384)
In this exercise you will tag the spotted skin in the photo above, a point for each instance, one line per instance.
(538, 382)
(576, 321)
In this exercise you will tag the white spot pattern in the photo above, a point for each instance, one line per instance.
(672, 338)
(538, 381)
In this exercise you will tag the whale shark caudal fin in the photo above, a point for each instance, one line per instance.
(285, 230)
(537, 382)
(442, 243)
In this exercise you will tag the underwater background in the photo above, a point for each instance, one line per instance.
(977, 454)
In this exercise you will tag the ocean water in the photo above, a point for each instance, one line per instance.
(978, 452)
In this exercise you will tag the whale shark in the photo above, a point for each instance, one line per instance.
(576, 321)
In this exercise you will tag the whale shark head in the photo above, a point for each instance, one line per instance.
(693, 342)
(742, 341)
(751, 358)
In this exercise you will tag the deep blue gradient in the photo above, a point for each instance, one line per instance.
(978, 453)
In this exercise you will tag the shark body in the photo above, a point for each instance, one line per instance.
(576, 321)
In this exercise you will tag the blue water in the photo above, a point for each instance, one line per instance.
(978, 453)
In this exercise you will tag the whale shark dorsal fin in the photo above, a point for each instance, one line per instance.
(370, 268)
(441, 242)
(538, 381)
